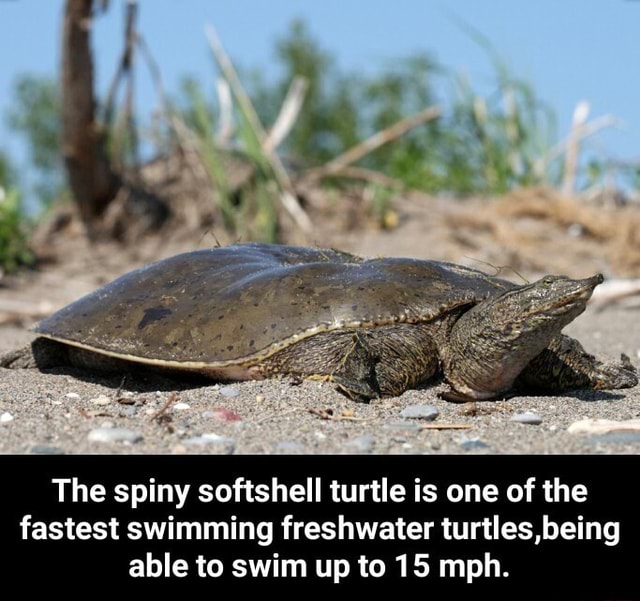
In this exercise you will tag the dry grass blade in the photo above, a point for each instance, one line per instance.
(445, 426)
(580, 130)
(288, 114)
(225, 127)
(287, 196)
(173, 397)
(369, 175)
(357, 152)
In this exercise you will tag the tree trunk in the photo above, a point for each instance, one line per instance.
(91, 179)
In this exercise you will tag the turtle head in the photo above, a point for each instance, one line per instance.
(494, 341)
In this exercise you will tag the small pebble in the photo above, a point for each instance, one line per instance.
(527, 418)
(114, 435)
(128, 411)
(575, 230)
(361, 444)
(259, 398)
(6, 417)
(229, 391)
(471, 444)
(226, 415)
(320, 435)
(181, 406)
(426, 412)
(402, 426)
(107, 424)
(44, 449)
(101, 400)
(72, 395)
(289, 446)
(209, 438)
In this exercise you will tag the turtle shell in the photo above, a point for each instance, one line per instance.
(239, 304)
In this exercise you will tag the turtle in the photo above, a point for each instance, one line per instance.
(374, 327)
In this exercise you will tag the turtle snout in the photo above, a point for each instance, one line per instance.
(597, 279)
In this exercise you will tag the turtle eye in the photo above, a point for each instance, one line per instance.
(547, 280)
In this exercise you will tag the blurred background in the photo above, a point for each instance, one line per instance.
(499, 134)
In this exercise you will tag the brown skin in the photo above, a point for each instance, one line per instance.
(510, 341)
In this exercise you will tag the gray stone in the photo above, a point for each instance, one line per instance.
(426, 412)
(527, 418)
(209, 438)
(229, 391)
(114, 435)
(473, 444)
(361, 444)
(45, 449)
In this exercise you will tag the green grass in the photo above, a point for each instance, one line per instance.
(14, 245)
(483, 144)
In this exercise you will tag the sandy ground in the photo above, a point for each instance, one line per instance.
(61, 411)
(69, 411)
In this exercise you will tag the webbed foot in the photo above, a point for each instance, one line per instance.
(21, 358)
(614, 375)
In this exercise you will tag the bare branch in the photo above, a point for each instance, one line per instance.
(379, 139)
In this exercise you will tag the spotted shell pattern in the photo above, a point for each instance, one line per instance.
(239, 304)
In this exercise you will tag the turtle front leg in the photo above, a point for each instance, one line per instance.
(363, 363)
(565, 365)
(356, 373)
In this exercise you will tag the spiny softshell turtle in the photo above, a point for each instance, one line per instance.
(374, 327)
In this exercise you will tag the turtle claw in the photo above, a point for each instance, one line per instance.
(616, 375)
(355, 390)
(459, 397)
(456, 397)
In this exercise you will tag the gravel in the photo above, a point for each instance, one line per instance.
(229, 392)
(426, 412)
(114, 435)
(361, 444)
(54, 409)
(473, 444)
(532, 419)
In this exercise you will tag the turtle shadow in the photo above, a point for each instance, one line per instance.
(585, 395)
(591, 396)
(136, 381)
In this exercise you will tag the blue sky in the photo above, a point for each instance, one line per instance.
(568, 49)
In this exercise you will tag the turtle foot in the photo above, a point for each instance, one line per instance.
(21, 358)
(615, 375)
